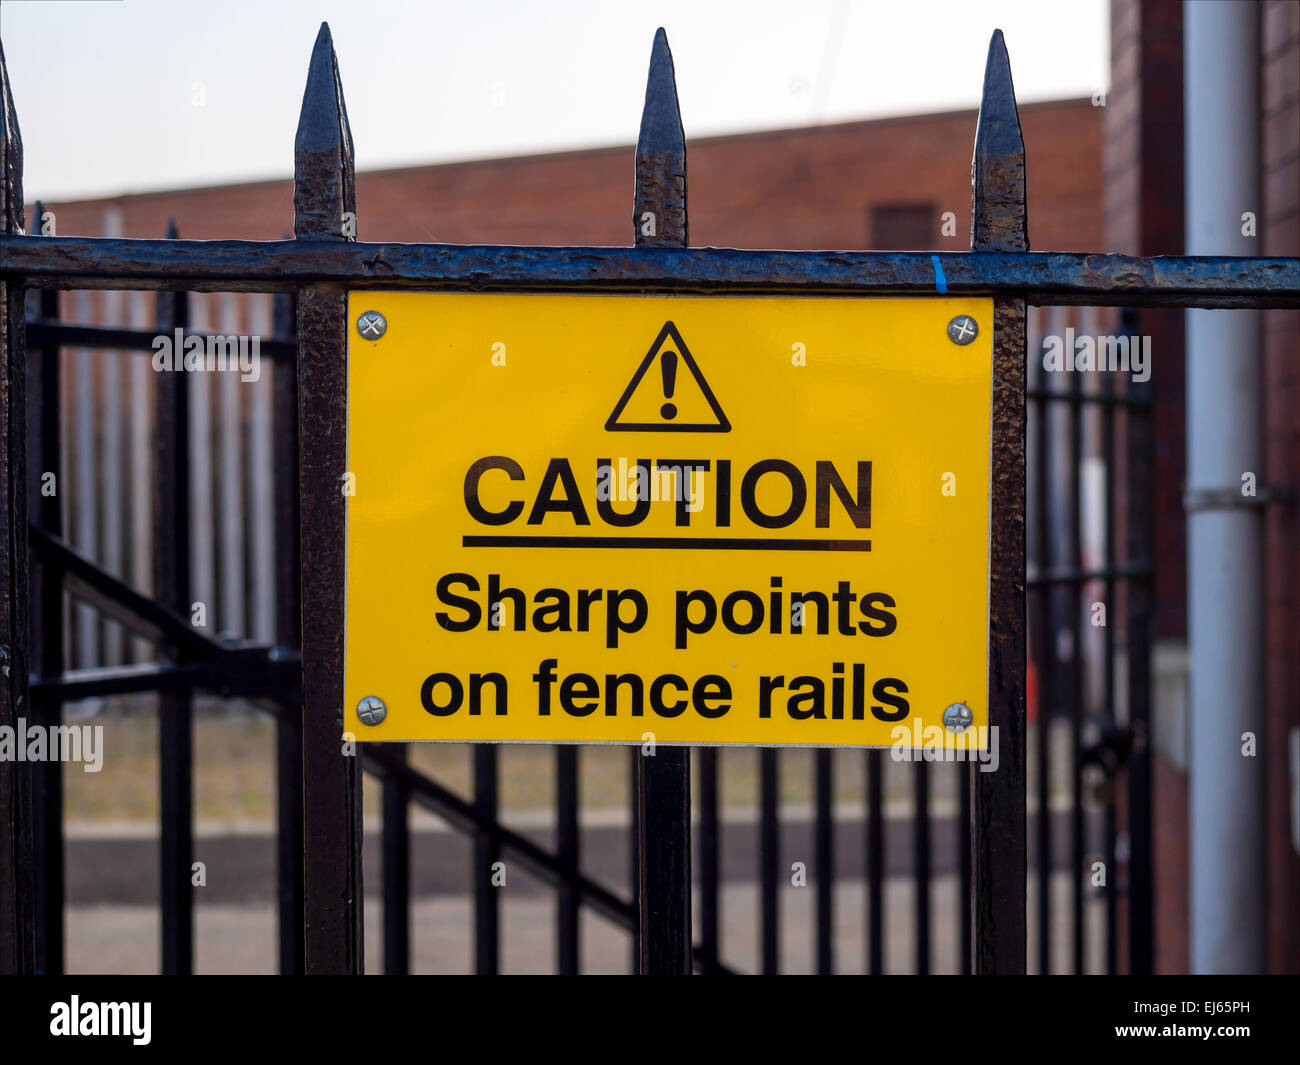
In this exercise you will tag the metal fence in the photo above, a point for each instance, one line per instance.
(107, 504)
(229, 516)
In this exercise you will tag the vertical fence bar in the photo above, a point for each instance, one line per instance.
(288, 635)
(769, 861)
(1074, 556)
(17, 902)
(921, 861)
(964, 901)
(323, 194)
(261, 481)
(172, 584)
(1108, 641)
(664, 779)
(487, 852)
(709, 855)
(1044, 659)
(202, 527)
(567, 840)
(824, 857)
(1140, 462)
(875, 854)
(396, 856)
(85, 487)
(142, 430)
(44, 457)
(109, 446)
(998, 223)
(634, 856)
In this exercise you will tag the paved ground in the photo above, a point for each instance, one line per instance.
(241, 867)
(241, 938)
(113, 916)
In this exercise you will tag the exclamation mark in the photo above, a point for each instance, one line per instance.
(668, 367)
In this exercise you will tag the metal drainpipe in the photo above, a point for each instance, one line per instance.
(1224, 522)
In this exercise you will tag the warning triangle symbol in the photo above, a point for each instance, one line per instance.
(668, 393)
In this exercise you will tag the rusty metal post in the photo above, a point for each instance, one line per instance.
(43, 456)
(325, 209)
(998, 223)
(663, 781)
(17, 896)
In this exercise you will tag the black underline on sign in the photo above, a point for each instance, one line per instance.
(679, 543)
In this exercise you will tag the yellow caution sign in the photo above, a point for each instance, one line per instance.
(633, 519)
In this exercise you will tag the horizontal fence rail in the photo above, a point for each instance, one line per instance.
(1055, 278)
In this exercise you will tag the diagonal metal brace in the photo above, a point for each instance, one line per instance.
(143, 616)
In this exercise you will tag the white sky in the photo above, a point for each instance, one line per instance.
(106, 90)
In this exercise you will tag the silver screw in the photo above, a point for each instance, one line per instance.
(957, 717)
(371, 710)
(962, 329)
(372, 325)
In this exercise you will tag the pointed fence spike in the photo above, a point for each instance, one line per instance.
(324, 195)
(998, 223)
(659, 203)
(324, 202)
(663, 783)
(11, 156)
(998, 217)
(18, 882)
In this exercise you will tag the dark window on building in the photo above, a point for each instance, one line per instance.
(904, 227)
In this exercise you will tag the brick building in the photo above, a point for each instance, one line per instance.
(881, 184)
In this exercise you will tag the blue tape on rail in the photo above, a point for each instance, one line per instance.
(940, 283)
